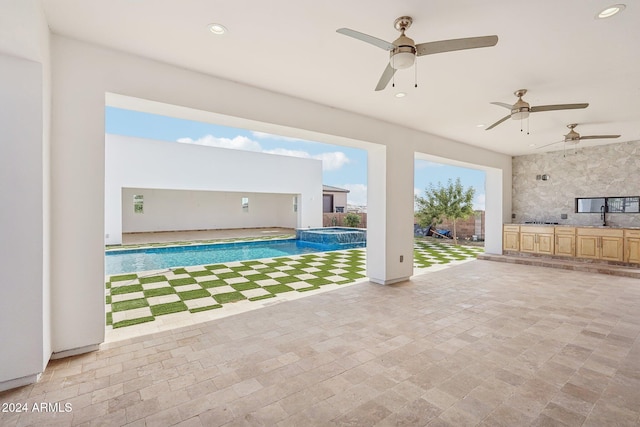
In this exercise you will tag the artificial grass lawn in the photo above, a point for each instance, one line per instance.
(194, 294)
(261, 297)
(229, 297)
(213, 283)
(131, 304)
(245, 286)
(158, 292)
(209, 307)
(152, 279)
(130, 322)
(200, 273)
(278, 289)
(122, 277)
(184, 281)
(172, 307)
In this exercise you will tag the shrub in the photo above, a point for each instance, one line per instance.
(352, 220)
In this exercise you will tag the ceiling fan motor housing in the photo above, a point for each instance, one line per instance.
(404, 55)
(520, 110)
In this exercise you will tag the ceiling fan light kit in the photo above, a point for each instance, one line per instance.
(403, 51)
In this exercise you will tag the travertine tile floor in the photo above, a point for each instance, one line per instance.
(481, 343)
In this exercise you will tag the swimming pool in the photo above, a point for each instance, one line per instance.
(132, 260)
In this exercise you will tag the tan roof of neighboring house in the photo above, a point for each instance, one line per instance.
(334, 189)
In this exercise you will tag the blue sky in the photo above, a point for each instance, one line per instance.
(343, 167)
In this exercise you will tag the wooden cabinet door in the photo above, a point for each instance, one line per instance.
(545, 244)
(587, 247)
(511, 241)
(527, 242)
(611, 248)
(632, 250)
(565, 245)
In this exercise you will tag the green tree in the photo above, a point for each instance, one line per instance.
(452, 202)
(352, 220)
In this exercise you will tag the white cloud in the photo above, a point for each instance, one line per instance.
(423, 164)
(479, 202)
(357, 194)
(330, 160)
(238, 142)
(291, 153)
(264, 135)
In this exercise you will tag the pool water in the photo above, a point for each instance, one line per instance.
(133, 260)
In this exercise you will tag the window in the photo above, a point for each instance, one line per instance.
(138, 204)
(295, 203)
(608, 204)
(245, 204)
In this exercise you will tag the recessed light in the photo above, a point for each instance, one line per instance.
(610, 11)
(217, 29)
(400, 95)
(532, 145)
(481, 125)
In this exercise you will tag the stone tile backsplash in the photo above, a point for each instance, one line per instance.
(601, 171)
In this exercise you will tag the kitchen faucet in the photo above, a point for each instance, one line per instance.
(602, 215)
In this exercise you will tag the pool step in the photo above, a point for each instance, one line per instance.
(565, 264)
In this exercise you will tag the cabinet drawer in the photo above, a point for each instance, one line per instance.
(565, 230)
(515, 228)
(603, 232)
(537, 229)
(631, 233)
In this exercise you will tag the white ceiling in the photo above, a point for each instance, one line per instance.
(555, 49)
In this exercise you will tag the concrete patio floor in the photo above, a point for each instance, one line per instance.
(480, 343)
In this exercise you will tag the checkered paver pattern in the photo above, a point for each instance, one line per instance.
(137, 298)
(140, 297)
(427, 253)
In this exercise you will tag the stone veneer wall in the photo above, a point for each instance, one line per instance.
(601, 171)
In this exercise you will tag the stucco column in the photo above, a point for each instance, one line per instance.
(390, 215)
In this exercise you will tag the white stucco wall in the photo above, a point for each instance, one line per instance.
(161, 165)
(21, 191)
(175, 210)
(25, 96)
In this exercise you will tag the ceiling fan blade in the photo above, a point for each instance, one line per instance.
(430, 48)
(498, 122)
(385, 77)
(366, 38)
(503, 104)
(542, 146)
(557, 107)
(599, 137)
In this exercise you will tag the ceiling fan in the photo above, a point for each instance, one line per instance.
(574, 137)
(403, 50)
(521, 109)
